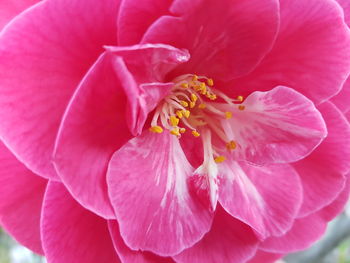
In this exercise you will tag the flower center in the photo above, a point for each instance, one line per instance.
(195, 105)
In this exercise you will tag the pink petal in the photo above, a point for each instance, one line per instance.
(44, 53)
(11, 8)
(72, 233)
(277, 126)
(307, 230)
(93, 127)
(148, 190)
(311, 54)
(128, 255)
(141, 69)
(345, 4)
(20, 206)
(136, 16)
(230, 36)
(229, 240)
(264, 257)
(322, 172)
(341, 100)
(267, 198)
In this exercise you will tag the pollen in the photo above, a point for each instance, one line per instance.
(182, 130)
(241, 107)
(240, 98)
(184, 103)
(194, 98)
(185, 85)
(186, 113)
(195, 134)
(179, 114)
(228, 115)
(156, 129)
(210, 82)
(220, 159)
(175, 131)
(231, 145)
(192, 104)
(202, 106)
(174, 121)
(194, 78)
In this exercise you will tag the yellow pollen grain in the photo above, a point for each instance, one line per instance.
(210, 82)
(174, 121)
(193, 97)
(202, 106)
(192, 104)
(220, 159)
(156, 129)
(175, 131)
(182, 130)
(179, 114)
(186, 113)
(231, 145)
(194, 78)
(184, 103)
(228, 115)
(184, 85)
(241, 107)
(240, 98)
(195, 134)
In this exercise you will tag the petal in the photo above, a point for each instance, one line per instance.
(71, 232)
(135, 17)
(322, 172)
(277, 126)
(311, 53)
(345, 4)
(20, 206)
(44, 53)
(11, 8)
(93, 127)
(148, 190)
(223, 34)
(229, 240)
(341, 100)
(128, 255)
(140, 69)
(267, 198)
(264, 257)
(307, 230)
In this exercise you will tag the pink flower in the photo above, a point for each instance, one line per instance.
(173, 130)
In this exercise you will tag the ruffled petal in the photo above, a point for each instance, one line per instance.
(136, 16)
(148, 190)
(322, 173)
(11, 8)
(264, 257)
(225, 38)
(278, 126)
(71, 233)
(345, 4)
(128, 255)
(93, 127)
(20, 205)
(44, 53)
(141, 70)
(307, 230)
(311, 53)
(267, 198)
(229, 240)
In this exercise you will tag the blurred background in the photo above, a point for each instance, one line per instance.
(333, 248)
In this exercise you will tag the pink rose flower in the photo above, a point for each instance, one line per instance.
(173, 130)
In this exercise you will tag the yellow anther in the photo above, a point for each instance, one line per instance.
(240, 98)
(186, 113)
(179, 114)
(182, 130)
(184, 103)
(192, 104)
(202, 85)
(241, 107)
(204, 91)
(175, 131)
(202, 106)
(174, 121)
(231, 145)
(156, 129)
(212, 96)
(228, 115)
(184, 85)
(195, 133)
(194, 97)
(210, 82)
(194, 78)
(220, 159)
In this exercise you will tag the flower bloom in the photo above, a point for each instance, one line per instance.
(173, 130)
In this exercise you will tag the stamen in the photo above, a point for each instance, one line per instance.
(231, 145)
(195, 134)
(175, 131)
(241, 107)
(228, 115)
(174, 121)
(202, 106)
(179, 114)
(156, 129)
(182, 130)
(185, 85)
(184, 103)
(220, 159)
(210, 82)
(240, 98)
